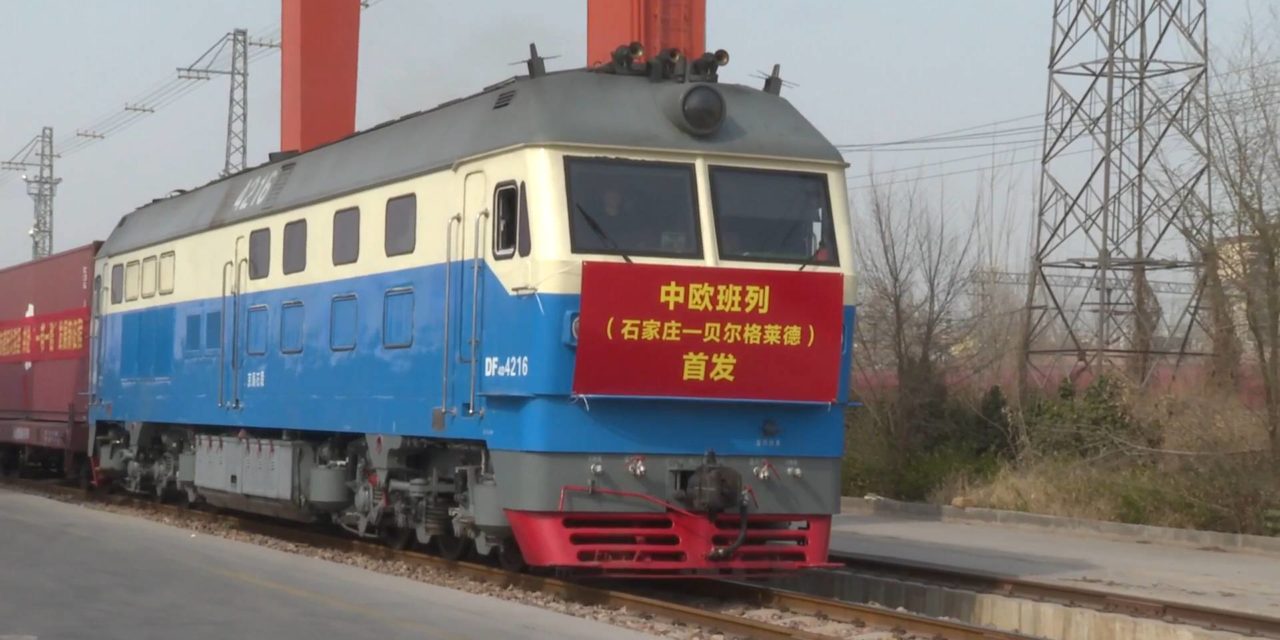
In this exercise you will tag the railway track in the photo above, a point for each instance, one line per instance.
(668, 601)
(1136, 606)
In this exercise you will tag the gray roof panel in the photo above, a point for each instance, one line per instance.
(571, 107)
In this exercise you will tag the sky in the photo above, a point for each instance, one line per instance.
(861, 70)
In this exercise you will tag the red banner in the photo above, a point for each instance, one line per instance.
(52, 336)
(697, 332)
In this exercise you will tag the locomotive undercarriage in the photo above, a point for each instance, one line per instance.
(613, 513)
(392, 488)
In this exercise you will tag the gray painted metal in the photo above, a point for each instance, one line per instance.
(571, 107)
(817, 491)
(252, 467)
(328, 489)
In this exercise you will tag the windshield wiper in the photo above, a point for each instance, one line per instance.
(595, 226)
(813, 256)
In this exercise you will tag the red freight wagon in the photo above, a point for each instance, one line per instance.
(44, 361)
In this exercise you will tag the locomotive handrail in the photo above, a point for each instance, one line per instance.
(448, 310)
(235, 332)
(222, 343)
(475, 307)
(97, 330)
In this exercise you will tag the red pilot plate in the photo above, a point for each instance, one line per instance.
(697, 332)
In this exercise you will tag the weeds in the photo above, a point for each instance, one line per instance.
(1104, 453)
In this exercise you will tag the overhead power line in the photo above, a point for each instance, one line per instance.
(162, 94)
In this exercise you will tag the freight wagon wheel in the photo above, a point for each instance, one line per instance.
(84, 476)
(20, 461)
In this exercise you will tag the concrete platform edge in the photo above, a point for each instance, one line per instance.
(1078, 526)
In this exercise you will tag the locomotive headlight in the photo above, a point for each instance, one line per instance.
(703, 109)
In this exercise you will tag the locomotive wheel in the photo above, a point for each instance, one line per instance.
(398, 538)
(452, 547)
(509, 556)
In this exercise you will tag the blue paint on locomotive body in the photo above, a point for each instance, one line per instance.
(366, 355)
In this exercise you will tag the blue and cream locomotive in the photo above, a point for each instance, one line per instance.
(382, 332)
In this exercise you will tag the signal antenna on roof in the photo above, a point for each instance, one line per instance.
(773, 84)
(537, 64)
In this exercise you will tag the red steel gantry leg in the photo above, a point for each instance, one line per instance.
(320, 46)
(656, 24)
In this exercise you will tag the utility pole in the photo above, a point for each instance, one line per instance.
(207, 66)
(1125, 156)
(238, 105)
(36, 161)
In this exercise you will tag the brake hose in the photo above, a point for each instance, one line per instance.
(723, 553)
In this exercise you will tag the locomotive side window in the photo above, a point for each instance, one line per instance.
(628, 207)
(117, 284)
(213, 330)
(193, 342)
(259, 254)
(132, 280)
(149, 277)
(402, 225)
(167, 267)
(346, 236)
(773, 216)
(343, 316)
(256, 331)
(505, 221)
(295, 246)
(292, 315)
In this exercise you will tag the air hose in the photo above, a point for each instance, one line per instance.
(724, 553)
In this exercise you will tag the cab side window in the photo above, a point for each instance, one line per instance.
(506, 221)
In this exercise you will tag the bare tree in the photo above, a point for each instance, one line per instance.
(917, 265)
(1245, 134)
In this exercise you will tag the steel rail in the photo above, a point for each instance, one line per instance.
(578, 592)
(849, 612)
(1137, 606)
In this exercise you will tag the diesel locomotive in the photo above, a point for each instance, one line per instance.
(596, 320)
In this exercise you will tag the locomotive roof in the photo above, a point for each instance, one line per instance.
(568, 107)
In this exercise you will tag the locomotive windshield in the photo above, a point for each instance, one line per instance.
(773, 216)
(632, 208)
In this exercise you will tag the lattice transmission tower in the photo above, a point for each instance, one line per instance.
(1125, 160)
(35, 160)
(211, 63)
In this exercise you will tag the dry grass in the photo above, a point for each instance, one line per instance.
(1203, 465)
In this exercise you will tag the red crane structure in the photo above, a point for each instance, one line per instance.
(320, 49)
(655, 24)
(319, 57)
